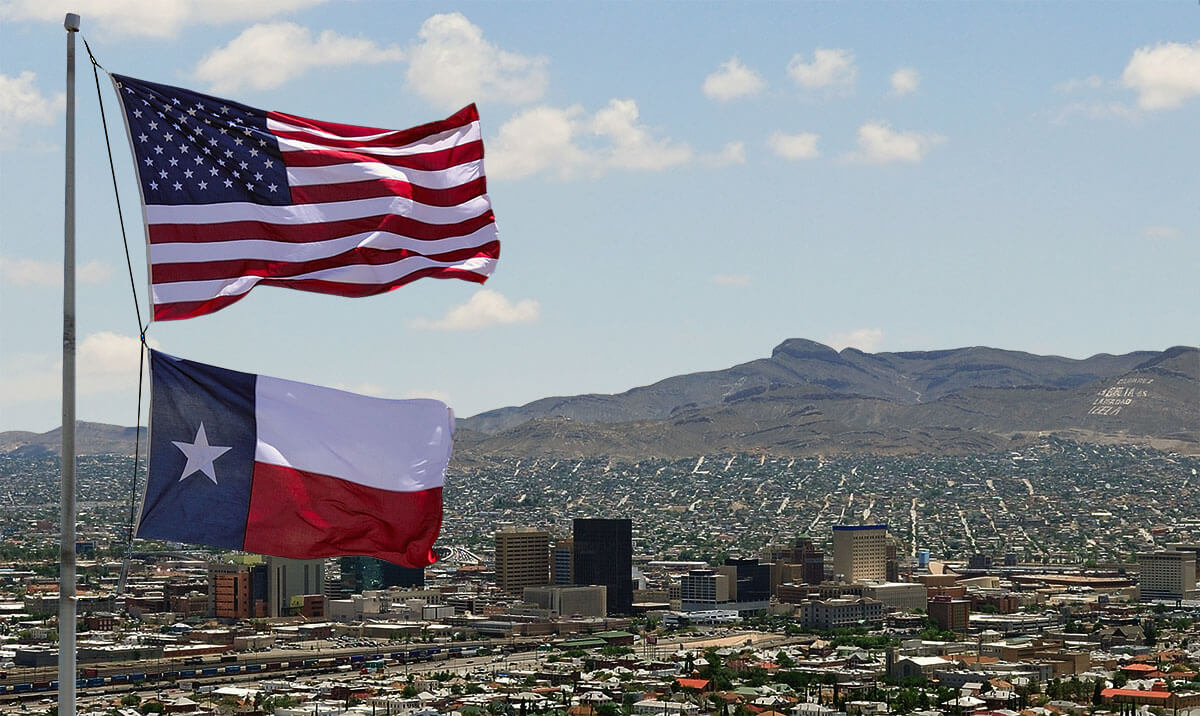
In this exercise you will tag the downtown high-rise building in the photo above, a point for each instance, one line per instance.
(1167, 575)
(522, 559)
(363, 573)
(603, 555)
(562, 561)
(860, 552)
(289, 581)
(237, 590)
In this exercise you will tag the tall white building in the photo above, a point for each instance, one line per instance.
(1167, 575)
(860, 552)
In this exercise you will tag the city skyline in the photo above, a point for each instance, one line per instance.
(675, 190)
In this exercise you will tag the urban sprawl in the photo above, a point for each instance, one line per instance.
(1058, 579)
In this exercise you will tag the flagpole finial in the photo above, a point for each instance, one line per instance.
(71, 22)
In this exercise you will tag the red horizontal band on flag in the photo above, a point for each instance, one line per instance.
(392, 138)
(190, 309)
(307, 516)
(306, 233)
(427, 161)
(367, 189)
(210, 270)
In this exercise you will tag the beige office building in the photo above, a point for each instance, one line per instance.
(1167, 575)
(522, 559)
(860, 552)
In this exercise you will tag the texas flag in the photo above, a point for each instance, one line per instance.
(276, 467)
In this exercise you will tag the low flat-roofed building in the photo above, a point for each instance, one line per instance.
(654, 707)
(837, 613)
(917, 667)
(900, 596)
(584, 601)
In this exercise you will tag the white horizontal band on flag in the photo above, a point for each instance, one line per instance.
(262, 249)
(316, 213)
(280, 125)
(433, 143)
(367, 171)
(397, 445)
(359, 274)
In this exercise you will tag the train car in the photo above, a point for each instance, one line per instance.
(209, 671)
(94, 681)
(234, 669)
(358, 658)
(119, 679)
(254, 667)
(22, 688)
(274, 666)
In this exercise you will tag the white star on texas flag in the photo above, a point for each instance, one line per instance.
(200, 455)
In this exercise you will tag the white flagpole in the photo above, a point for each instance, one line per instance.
(66, 575)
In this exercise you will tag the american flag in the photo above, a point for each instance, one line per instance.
(236, 197)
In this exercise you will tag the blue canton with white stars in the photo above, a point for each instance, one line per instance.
(192, 148)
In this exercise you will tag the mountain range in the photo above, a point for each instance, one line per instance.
(807, 398)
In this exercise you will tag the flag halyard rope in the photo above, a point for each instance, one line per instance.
(142, 327)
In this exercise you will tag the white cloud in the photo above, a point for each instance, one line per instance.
(905, 80)
(878, 143)
(21, 102)
(1094, 110)
(104, 362)
(794, 146)
(864, 339)
(732, 153)
(632, 145)
(1160, 232)
(828, 68)
(150, 18)
(451, 65)
(735, 280)
(282, 51)
(485, 308)
(93, 273)
(567, 142)
(372, 389)
(731, 81)
(428, 393)
(1091, 82)
(1164, 75)
(537, 139)
(49, 274)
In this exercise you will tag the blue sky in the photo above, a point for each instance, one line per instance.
(678, 186)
